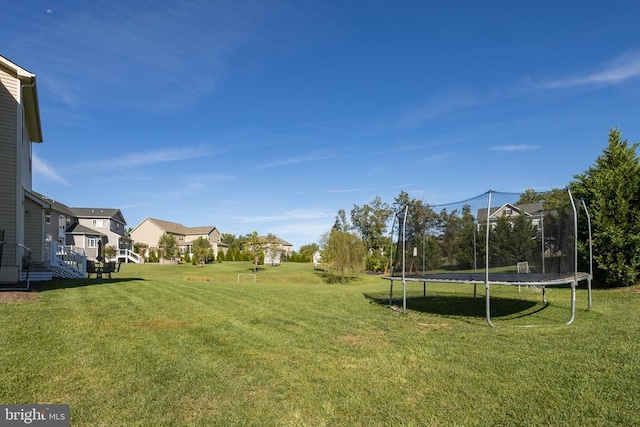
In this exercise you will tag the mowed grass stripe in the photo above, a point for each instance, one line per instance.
(175, 349)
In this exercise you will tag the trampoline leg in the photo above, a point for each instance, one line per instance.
(488, 306)
(589, 293)
(544, 294)
(573, 303)
(475, 290)
(424, 289)
(390, 293)
(404, 297)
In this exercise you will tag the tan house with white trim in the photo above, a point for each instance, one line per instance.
(149, 231)
(22, 214)
(275, 249)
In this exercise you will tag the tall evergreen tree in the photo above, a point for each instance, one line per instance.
(611, 188)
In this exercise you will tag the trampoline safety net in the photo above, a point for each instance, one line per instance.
(502, 233)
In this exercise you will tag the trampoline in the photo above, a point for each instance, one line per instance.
(553, 248)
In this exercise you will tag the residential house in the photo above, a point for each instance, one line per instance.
(105, 226)
(275, 249)
(149, 231)
(316, 258)
(22, 214)
(533, 211)
(82, 230)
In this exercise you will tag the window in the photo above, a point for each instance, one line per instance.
(48, 218)
(99, 223)
(508, 212)
(92, 242)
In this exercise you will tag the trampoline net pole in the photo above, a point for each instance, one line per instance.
(486, 267)
(404, 262)
(586, 211)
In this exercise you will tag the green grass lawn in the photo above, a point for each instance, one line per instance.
(183, 345)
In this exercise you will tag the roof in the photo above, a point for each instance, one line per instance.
(29, 98)
(207, 229)
(279, 240)
(36, 198)
(55, 206)
(99, 213)
(527, 208)
(176, 228)
(82, 229)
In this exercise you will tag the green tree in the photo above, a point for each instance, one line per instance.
(523, 239)
(168, 245)
(343, 252)
(342, 223)
(202, 250)
(466, 249)
(110, 251)
(556, 199)
(529, 196)
(370, 221)
(421, 221)
(272, 248)
(306, 252)
(253, 249)
(433, 253)
(452, 225)
(500, 240)
(611, 188)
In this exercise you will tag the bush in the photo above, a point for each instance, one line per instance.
(375, 262)
(153, 256)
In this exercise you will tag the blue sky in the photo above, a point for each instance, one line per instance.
(272, 115)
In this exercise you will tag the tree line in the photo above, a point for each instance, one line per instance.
(610, 187)
(249, 247)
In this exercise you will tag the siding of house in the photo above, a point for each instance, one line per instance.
(150, 230)
(34, 230)
(147, 232)
(9, 91)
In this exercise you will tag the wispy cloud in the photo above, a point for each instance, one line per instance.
(440, 105)
(461, 102)
(515, 147)
(620, 69)
(41, 168)
(141, 56)
(307, 157)
(434, 159)
(165, 155)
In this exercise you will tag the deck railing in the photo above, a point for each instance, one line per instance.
(66, 256)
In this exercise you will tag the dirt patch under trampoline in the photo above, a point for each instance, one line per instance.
(11, 296)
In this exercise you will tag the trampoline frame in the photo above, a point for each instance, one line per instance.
(488, 278)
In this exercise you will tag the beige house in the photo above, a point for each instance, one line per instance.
(149, 231)
(22, 214)
(275, 249)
